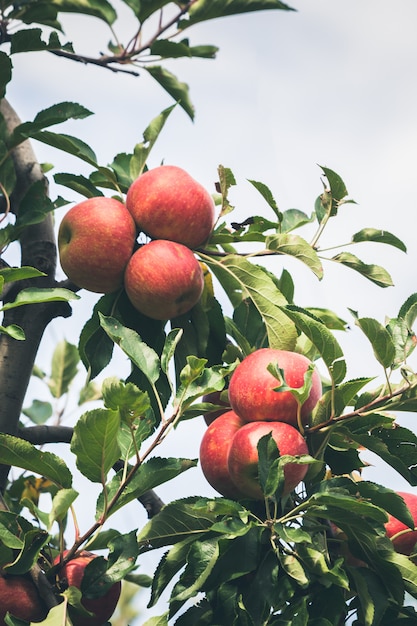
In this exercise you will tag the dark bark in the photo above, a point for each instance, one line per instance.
(38, 249)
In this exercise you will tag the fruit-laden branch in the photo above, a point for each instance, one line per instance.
(38, 249)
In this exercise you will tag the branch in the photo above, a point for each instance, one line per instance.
(38, 249)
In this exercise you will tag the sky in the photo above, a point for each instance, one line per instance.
(332, 84)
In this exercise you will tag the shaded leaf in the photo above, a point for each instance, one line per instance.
(64, 368)
(380, 236)
(210, 9)
(177, 90)
(374, 273)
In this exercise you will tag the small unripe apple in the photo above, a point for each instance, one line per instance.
(19, 596)
(163, 279)
(103, 607)
(95, 240)
(220, 399)
(251, 388)
(404, 542)
(243, 456)
(167, 203)
(214, 453)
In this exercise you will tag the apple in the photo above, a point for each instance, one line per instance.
(218, 398)
(167, 203)
(404, 542)
(251, 388)
(243, 455)
(214, 453)
(163, 279)
(19, 596)
(95, 241)
(71, 575)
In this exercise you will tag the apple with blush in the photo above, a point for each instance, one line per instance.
(167, 203)
(163, 279)
(403, 538)
(243, 456)
(95, 241)
(251, 388)
(20, 598)
(102, 608)
(214, 453)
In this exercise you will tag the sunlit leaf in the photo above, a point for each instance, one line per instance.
(374, 273)
(380, 236)
(64, 368)
(381, 340)
(296, 246)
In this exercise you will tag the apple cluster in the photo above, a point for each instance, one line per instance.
(20, 597)
(162, 278)
(228, 450)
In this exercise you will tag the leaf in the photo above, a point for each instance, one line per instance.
(80, 184)
(203, 10)
(177, 90)
(171, 342)
(35, 295)
(61, 504)
(33, 542)
(101, 9)
(144, 357)
(380, 236)
(336, 184)
(13, 331)
(173, 50)
(142, 150)
(12, 274)
(372, 595)
(381, 340)
(5, 72)
(67, 143)
(374, 273)
(95, 346)
(39, 412)
(55, 114)
(323, 340)
(15, 451)
(149, 475)
(267, 195)
(201, 560)
(168, 567)
(296, 246)
(253, 281)
(64, 368)
(95, 444)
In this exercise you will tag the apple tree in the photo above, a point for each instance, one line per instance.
(336, 548)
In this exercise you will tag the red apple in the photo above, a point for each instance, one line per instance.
(163, 279)
(243, 455)
(405, 541)
(218, 398)
(214, 452)
(95, 241)
(167, 203)
(251, 389)
(19, 596)
(71, 575)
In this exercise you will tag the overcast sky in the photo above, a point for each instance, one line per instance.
(332, 84)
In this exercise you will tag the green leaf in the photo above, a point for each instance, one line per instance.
(171, 342)
(67, 143)
(95, 443)
(179, 520)
(201, 560)
(203, 10)
(61, 503)
(13, 331)
(408, 311)
(35, 295)
(150, 135)
(237, 274)
(29, 39)
(267, 195)
(144, 357)
(55, 114)
(15, 451)
(101, 9)
(95, 346)
(12, 274)
(168, 567)
(296, 246)
(5, 72)
(372, 595)
(380, 236)
(34, 541)
(145, 8)
(64, 368)
(80, 184)
(172, 50)
(323, 340)
(131, 402)
(149, 475)
(177, 90)
(381, 340)
(375, 273)
(39, 412)
(160, 620)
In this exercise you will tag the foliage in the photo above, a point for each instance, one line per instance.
(273, 563)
